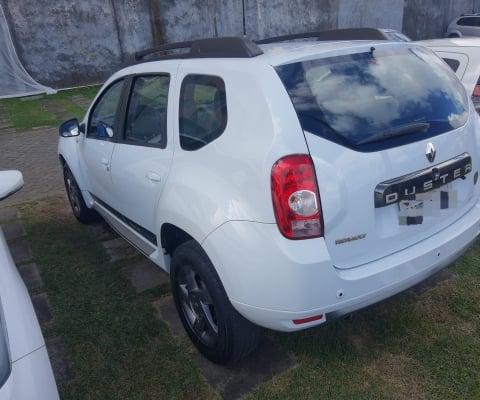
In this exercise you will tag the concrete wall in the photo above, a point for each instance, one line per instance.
(429, 19)
(279, 17)
(69, 42)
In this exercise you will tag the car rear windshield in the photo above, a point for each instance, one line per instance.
(378, 99)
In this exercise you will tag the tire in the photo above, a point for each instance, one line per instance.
(218, 331)
(83, 214)
(453, 35)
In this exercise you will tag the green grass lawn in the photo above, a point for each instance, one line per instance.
(29, 113)
(424, 346)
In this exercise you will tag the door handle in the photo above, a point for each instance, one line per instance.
(105, 163)
(154, 177)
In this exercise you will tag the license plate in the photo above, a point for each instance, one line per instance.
(429, 204)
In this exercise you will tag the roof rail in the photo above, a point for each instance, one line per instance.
(334, 34)
(219, 47)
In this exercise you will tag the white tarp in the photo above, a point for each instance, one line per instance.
(14, 80)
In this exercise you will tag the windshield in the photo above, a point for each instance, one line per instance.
(4, 355)
(378, 99)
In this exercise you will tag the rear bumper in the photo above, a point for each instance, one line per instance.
(272, 281)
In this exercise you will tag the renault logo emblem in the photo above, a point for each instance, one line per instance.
(430, 152)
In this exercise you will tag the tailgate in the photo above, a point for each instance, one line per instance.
(394, 141)
(375, 204)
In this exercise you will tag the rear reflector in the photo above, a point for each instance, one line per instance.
(306, 320)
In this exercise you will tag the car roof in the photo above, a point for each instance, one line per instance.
(280, 48)
(280, 53)
(285, 53)
(451, 42)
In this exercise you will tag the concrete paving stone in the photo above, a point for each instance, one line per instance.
(430, 283)
(30, 275)
(62, 370)
(53, 107)
(102, 231)
(166, 311)
(34, 153)
(146, 275)
(7, 131)
(42, 308)
(20, 251)
(5, 124)
(236, 379)
(118, 249)
(81, 101)
(8, 214)
(13, 230)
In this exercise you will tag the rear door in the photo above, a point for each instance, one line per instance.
(393, 145)
(142, 158)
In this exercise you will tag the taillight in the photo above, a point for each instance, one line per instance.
(296, 201)
(476, 98)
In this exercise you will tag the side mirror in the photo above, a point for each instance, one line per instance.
(70, 128)
(104, 130)
(10, 182)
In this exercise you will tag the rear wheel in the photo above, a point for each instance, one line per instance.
(83, 214)
(453, 35)
(218, 331)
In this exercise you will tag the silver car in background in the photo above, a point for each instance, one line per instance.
(464, 25)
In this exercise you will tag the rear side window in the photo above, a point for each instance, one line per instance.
(453, 64)
(376, 100)
(469, 21)
(203, 110)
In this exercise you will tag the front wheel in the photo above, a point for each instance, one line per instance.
(83, 214)
(218, 331)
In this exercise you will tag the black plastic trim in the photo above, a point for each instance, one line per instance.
(219, 47)
(334, 34)
(408, 186)
(150, 236)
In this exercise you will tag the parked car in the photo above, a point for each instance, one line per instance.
(463, 57)
(364, 33)
(25, 370)
(464, 25)
(281, 185)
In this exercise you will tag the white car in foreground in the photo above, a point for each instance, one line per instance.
(25, 371)
(281, 185)
(463, 57)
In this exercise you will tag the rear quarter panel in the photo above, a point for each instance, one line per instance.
(229, 179)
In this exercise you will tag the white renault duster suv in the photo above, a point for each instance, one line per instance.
(280, 184)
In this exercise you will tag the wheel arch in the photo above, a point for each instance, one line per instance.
(68, 157)
(171, 236)
(68, 149)
(454, 33)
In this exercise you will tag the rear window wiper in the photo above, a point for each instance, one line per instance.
(395, 132)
